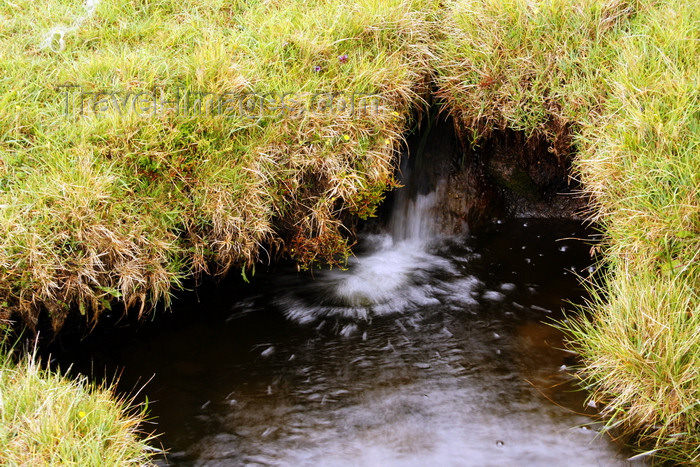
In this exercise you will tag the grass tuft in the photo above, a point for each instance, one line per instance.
(639, 160)
(50, 419)
(641, 351)
(616, 82)
(121, 199)
(534, 67)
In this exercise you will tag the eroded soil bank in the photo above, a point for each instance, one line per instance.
(507, 175)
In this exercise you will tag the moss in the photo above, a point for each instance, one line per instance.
(513, 177)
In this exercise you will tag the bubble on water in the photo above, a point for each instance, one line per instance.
(493, 295)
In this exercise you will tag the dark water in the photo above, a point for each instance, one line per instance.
(427, 351)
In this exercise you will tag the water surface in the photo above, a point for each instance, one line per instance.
(426, 351)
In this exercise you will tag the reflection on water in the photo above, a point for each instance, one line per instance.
(422, 353)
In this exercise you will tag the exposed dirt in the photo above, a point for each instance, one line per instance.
(508, 175)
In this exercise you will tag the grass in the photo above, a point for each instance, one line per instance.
(616, 82)
(641, 351)
(50, 419)
(640, 160)
(123, 198)
(535, 67)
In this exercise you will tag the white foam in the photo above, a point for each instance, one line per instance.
(493, 295)
(393, 277)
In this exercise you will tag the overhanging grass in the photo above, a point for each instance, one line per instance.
(641, 350)
(641, 159)
(535, 67)
(618, 81)
(125, 204)
(49, 419)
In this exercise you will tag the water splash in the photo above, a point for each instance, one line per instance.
(395, 274)
(57, 34)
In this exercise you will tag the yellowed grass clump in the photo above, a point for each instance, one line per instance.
(50, 419)
(114, 185)
(616, 82)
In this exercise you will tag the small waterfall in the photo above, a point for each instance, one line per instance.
(418, 210)
(399, 269)
(395, 272)
(415, 219)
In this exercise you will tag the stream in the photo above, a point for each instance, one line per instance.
(427, 350)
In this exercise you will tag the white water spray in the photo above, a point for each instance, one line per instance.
(395, 275)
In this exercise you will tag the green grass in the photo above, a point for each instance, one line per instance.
(121, 203)
(535, 67)
(618, 83)
(641, 351)
(640, 160)
(50, 419)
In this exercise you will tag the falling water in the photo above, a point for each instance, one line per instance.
(413, 219)
(390, 275)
